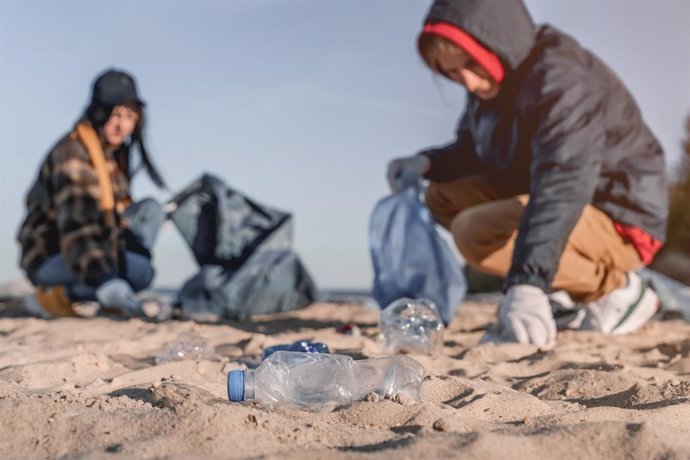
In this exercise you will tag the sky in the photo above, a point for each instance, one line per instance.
(299, 104)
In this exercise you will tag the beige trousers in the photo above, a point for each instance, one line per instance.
(484, 225)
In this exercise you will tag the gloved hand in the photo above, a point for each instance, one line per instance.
(525, 316)
(117, 293)
(403, 172)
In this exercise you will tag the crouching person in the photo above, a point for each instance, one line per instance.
(554, 181)
(83, 239)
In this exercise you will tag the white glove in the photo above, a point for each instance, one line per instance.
(117, 293)
(525, 316)
(403, 172)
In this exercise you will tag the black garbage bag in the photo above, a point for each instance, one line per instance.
(244, 251)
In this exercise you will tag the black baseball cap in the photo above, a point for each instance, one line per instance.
(114, 87)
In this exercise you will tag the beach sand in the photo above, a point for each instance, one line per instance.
(91, 388)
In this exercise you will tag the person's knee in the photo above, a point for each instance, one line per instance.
(145, 219)
(468, 232)
(446, 200)
(53, 271)
(142, 279)
(443, 199)
(151, 208)
(140, 272)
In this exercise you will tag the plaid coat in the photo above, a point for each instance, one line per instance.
(63, 214)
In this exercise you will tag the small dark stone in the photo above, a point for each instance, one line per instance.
(114, 448)
(440, 425)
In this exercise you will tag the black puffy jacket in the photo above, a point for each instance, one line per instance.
(563, 129)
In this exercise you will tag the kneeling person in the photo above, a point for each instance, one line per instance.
(554, 181)
(83, 239)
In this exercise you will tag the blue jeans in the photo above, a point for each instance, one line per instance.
(145, 219)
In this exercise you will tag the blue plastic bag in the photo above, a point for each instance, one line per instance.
(305, 346)
(410, 257)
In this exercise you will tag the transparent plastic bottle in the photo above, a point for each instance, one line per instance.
(411, 326)
(321, 382)
(187, 345)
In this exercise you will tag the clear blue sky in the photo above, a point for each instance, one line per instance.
(298, 103)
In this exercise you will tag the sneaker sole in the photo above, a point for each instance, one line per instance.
(639, 313)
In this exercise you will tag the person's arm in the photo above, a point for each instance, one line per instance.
(567, 147)
(85, 240)
(455, 160)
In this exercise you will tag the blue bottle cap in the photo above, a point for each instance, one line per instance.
(236, 386)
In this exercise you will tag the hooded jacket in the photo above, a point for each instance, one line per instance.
(563, 129)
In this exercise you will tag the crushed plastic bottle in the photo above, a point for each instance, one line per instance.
(187, 345)
(411, 326)
(306, 346)
(322, 382)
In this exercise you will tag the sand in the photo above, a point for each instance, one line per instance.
(91, 388)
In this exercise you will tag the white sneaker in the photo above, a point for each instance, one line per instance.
(624, 310)
(566, 313)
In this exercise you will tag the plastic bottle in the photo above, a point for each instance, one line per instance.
(321, 382)
(187, 345)
(411, 326)
(306, 346)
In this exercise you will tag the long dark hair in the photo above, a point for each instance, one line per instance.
(98, 115)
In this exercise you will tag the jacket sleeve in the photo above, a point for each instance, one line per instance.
(567, 149)
(84, 238)
(455, 160)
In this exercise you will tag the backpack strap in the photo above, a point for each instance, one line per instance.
(87, 135)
